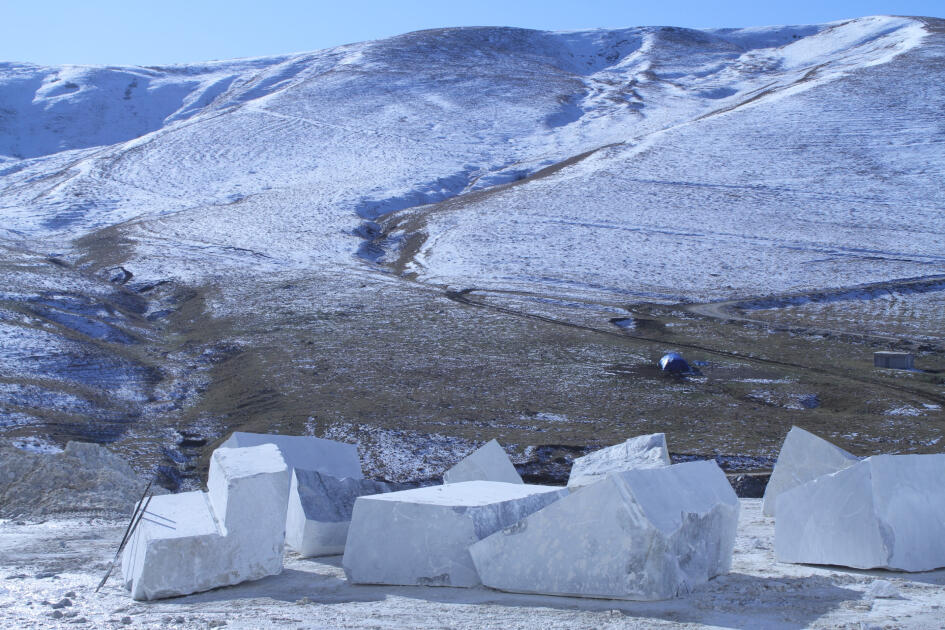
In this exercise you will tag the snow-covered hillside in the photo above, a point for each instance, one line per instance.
(652, 164)
(733, 150)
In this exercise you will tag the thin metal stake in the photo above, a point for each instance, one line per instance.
(140, 508)
(138, 505)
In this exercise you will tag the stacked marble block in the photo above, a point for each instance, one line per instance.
(196, 541)
(320, 509)
(643, 534)
(631, 526)
(644, 451)
(434, 526)
(885, 511)
(432, 530)
(325, 480)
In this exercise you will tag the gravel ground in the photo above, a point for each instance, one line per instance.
(50, 571)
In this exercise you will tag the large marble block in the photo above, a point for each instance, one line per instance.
(306, 452)
(320, 508)
(803, 457)
(422, 536)
(644, 451)
(196, 541)
(644, 534)
(488, 463)
(887, 511)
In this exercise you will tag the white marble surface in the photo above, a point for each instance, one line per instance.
(197, 541)
(489, 462)
(320, 508)
(422, 536)
(644, 451)
(306, 452)
(887, 511)
(645, 534)
(803, 457)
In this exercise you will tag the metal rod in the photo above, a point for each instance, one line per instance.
(133, 515)
(140, 508)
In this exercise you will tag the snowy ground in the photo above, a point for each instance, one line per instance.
(893, 313)
(45, 564)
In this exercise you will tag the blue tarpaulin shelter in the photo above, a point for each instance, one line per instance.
(673, 362)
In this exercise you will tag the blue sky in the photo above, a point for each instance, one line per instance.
(174, 31)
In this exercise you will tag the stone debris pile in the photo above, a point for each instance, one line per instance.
(882, 512)
(85, 478)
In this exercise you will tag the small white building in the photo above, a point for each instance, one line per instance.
(893, 360)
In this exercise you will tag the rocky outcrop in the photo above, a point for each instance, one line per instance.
(85, 478)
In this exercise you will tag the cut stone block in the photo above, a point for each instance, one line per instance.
(645, 534)
(803, 457)
(196, 541)
(422, 536)
(320, 509)
(308, 453)
(645, 451)
(886, 511)
(488, 463)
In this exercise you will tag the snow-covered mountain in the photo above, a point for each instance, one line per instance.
(733, 148)
(650, 164)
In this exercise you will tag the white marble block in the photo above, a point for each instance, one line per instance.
(887, 511)
(306, 452)
(803, 457)
(645, 451)
(644, 534)
(320, 509)
(422, 536)
(196, 541)
(488, 463)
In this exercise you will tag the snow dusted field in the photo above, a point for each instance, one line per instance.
(798, 178)
(890, 312)
(47, 563)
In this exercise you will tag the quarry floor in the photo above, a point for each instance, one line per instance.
(46, 563)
